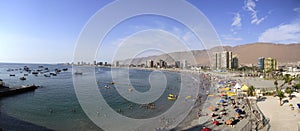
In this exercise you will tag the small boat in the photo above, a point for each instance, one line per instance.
(172, 97)
(57, 70)
(35, 73)
(53, 74)
(106, 86)
(65, 69)
(12, 75)
(22, 78)
(25, 74)
(26, 68)
(78, 73)
(46, 75)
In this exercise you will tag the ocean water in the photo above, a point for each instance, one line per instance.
(55, 106)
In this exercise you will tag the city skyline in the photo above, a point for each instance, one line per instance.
(46, 32)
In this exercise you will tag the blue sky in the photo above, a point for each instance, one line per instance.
(47, 31)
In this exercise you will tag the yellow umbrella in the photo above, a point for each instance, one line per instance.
(230, 94)
(225, 89)
(244, 87)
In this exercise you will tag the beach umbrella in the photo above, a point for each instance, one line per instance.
(298, 105)
(239, 111)
(222, 101)
(205, 129)
(237, 86)
(211, 108)
(228, 122)
(225, 89)
(230, 93)
(244, 87)
(215, 122)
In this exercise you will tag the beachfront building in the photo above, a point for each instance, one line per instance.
(162, 64)
(270, 64)
(267, 64)
(222, 60)
(184, 64)
(117, 64)
(260, 64)
(177, 64)
(151, 63)
(235, 62)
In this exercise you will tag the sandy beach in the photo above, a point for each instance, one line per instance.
(282, 118)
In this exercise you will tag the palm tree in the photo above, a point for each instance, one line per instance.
(276, 84)
(280, 94)
(289, 91)
(287, 79)
(251, 91)
(297, 86)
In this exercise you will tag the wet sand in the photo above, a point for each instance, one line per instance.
(192, 119)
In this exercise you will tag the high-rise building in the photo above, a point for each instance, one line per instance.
(222, 60)
(270, 64)
(235, 62)
(267, 64)
(260, 64)
(151, 63)
(117, 64)
(177, 64)
(146, 65)
(162, 64)
(184, 64)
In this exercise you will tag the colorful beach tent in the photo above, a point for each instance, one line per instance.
(237, 86)
(244, 87)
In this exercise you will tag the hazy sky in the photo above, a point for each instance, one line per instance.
(47, 30)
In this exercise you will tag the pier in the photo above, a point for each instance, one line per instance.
(4, 91)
